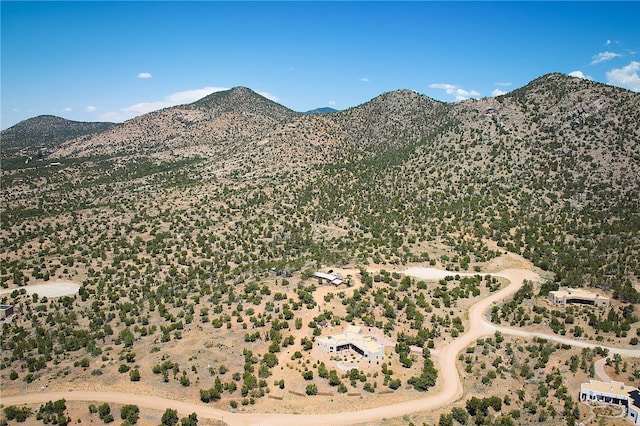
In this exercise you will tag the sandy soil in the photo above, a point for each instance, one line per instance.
(51, 289)
(445, 359)
(449, 386)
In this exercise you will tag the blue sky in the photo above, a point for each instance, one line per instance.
(111, 61)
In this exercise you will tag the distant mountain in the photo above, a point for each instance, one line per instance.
(48, 131)
(253, 129)
(323, 110)
(389, 121)
(211, 123)
(241, 100)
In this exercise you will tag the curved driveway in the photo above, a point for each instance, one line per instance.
(446, 361)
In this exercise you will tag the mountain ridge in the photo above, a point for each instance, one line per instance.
(243, 101)
(321, 110)
(236, 114)
(48, 131)
(250, 128)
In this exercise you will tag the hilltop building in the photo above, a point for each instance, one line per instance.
(352, 338)
(613, 393)
(563, 297)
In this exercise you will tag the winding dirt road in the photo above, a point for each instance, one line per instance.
(602, 375)
(445, 360)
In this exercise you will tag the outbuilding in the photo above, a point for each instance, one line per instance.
(6, 311)
(328, 279)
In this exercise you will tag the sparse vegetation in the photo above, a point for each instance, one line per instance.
(195, 247)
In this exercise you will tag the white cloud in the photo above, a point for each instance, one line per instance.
(144, 75)
(67, 109)
(626, 77)
(90, 108)
(188, 96)
(332, 102)
(604, 56)
(457, 91)
(270, 96)
(446, 87)
(145, 107)
(364, 79)
(114, 117)
(177, 98)
(580, 74)
(500, 92)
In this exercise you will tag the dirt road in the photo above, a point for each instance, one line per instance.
(602, 375)
(445, 361)
(50, 289)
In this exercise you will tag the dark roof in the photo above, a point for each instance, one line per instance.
(635, 398)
